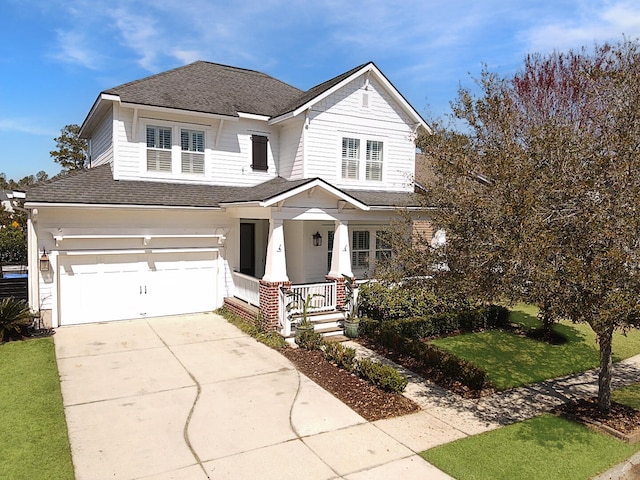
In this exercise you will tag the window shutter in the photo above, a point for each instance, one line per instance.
(259, 152)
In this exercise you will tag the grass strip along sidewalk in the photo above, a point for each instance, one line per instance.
(33, 433)
(544, 448)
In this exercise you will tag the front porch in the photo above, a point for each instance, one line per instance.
(263, 300)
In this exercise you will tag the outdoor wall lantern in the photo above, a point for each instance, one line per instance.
(44, 261)
(317, 239)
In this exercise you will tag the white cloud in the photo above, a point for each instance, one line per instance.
(23, 125)
(73, 48)
(589, 24)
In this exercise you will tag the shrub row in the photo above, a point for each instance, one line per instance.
(405, 337)
(382, 376)
(432, 357)
(381, 301)
(439, 324)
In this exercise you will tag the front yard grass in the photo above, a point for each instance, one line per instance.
(545, 447)
(512, 360)
(629, 395)
(34, 441)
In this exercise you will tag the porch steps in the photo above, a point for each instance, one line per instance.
(328, 324)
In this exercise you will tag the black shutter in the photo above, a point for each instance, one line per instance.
(259, 146)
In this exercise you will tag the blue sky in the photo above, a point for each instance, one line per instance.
(56, 56)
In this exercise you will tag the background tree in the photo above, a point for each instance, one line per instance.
(539, 195)
(71, 151)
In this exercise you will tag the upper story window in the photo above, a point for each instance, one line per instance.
(350, 158)
(259, 152)
(374, 160)
(192, 151)
(355, 167)
(158, 148)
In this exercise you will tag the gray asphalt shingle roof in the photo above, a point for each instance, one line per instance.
(220, 89)
(210, 88)
(96, 186)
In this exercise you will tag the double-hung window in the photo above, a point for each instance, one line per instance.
(374, 160)
(350, 158)
(362, 165)
(360, 249)
(192, 154)
(158, 148)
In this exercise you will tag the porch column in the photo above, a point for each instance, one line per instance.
(341, 258)
(275, 275)
(340, 261)
(275, 269)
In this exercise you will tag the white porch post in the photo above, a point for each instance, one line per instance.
(276, 264)
(341, 258)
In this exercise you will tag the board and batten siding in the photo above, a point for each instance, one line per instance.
(342, 114)
(102, 142)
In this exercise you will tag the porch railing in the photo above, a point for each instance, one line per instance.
(322, 298)
(246, 288)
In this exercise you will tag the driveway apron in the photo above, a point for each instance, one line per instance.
(192, 397)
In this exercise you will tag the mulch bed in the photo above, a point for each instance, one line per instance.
(621, 418)
(367, 400)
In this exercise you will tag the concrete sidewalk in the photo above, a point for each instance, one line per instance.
(446, 416)
(192, 397)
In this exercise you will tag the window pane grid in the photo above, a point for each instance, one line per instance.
(374, 160)
(350, 158)
(360, 249)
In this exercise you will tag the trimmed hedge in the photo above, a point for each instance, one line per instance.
(406, 337)
(383, 376)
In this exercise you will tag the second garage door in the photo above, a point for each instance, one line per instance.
(98, 288)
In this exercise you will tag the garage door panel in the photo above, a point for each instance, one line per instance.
(96, 288)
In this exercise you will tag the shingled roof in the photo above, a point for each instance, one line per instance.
(96, 186)
(210, 88)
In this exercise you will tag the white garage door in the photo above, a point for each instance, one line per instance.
(98, 288)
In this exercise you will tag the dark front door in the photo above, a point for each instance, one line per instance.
(248, 249)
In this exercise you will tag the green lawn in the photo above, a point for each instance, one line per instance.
(33, 439)
(629, 395)
(544, 448)
(512, 360)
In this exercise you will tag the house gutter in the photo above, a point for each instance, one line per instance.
(32, 205)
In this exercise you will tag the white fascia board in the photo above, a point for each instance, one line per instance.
(31, 205)
(314, 184)
(253, 116)
(370, 67)
(178, 111)
(102, 98)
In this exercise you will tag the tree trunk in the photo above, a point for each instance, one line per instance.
(547, 322)
(606, 365)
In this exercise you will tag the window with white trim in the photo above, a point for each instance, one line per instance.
(357, 164)
(360, 249)
(374, 160)
(350, 158)
(158, 148)
(330, 237)
(192, 151)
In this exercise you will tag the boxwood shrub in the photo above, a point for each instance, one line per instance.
(383, 376)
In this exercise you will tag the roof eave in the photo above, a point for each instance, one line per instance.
(32, 205)
(97, 109)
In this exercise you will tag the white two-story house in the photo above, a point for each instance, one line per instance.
(210, 183)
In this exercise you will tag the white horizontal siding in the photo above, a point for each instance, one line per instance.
(342, 115)
(102, 141)
(290, 164)
(226, 163)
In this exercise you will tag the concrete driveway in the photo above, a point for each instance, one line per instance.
(192, 397)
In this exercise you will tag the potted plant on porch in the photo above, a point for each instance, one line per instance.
(351, 320)
(300, 303)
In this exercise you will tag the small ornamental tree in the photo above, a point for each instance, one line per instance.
(539, 195)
